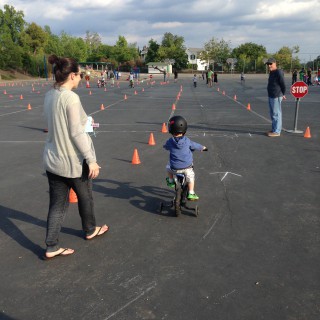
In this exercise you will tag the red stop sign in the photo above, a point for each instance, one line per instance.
(299, 89)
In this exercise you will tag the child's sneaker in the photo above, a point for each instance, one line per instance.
(170, 184)
(192, 197)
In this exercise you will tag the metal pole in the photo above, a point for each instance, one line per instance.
(296, 114)
(296, 118)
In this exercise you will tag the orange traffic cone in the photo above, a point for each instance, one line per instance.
(173, 106)
(29, 107)
(72, 196)
(102, 106)
(307, 134)
(151, 140)
(223, 92)
(142, 89)
(21, 97)
(125, 97)
(218, 89)
(90, 93)
(248, 106)
(135, 157)
(164, 128)
(235, 97)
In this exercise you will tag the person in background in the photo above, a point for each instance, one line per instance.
(309, 77)
(294, 76)
(276, 92)
(194, 79)
(215, 77)
(69, 157)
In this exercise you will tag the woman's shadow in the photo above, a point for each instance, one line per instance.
(7, 216)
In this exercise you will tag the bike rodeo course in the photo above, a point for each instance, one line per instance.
(250, 252)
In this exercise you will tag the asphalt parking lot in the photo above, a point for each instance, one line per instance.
(253, 251)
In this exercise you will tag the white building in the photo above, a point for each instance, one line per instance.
(193, 58)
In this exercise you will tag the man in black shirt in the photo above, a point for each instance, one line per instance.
(276, 92)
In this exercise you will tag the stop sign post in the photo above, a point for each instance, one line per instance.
(299, 89)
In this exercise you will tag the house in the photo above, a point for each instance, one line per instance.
(194, 58)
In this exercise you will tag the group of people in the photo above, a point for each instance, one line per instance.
(306, 76)
(211, 78)
(70, 160)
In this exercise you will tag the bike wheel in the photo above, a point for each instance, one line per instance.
(196, 211)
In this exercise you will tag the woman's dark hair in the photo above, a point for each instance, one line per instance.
(63, 67)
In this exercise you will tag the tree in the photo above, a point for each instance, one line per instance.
(250, 56)
(172, 47)
(152, 54)
(12, 22)
(11, 25)
(216, 51)
(285, 59)
(53, 45)
(35, 38)
(73, 47)
(124, 52)
(93, 41)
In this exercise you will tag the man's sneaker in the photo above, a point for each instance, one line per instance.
(170, 184)
(192, 197)
(273, 134)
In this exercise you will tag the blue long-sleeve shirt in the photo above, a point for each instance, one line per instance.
(181, 149)
(276, 85)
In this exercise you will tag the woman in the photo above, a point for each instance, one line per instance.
(69, 156)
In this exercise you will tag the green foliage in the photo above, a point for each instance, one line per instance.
(152, 54)
(34, 38)
(216, 51)
(124, 52)
(73, 47)
(250, 57)
(285, 58)
(12, 22)
(172, 47)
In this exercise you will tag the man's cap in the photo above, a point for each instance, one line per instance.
(271, 60)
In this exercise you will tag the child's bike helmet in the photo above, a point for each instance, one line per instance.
(178, 124)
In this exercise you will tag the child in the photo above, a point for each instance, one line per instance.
(195, 80)
(131, 80)
(181, 159)
(112, 79)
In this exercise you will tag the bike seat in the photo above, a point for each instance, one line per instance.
(180, 177)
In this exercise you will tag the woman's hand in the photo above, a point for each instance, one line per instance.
(94, 169)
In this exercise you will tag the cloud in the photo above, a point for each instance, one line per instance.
(271, 23)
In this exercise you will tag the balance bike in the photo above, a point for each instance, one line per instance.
(180, 199)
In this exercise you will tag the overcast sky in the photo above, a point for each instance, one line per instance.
(271, 23)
